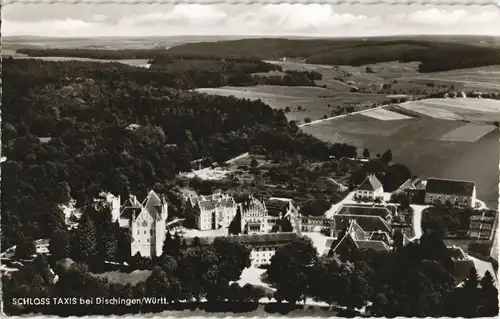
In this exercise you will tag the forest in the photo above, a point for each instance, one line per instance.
(74, 129)
(189, 71)
(434, 55)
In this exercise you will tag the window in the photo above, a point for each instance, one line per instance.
(148, 240)
(145, 232)
(138, 232)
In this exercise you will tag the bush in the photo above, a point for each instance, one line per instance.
(307, 120)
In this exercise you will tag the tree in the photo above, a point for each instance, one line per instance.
(387, 156)
(87, 241)
(307, 120)
(25, 248)
(253, 163)
(59, 245)
(366, 153)
(233, 258)
(488, 304)
(235, 225)
(290, 269)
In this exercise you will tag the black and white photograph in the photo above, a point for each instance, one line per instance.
(250, 160)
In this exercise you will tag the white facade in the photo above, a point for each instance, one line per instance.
(214, 211)
(371, 188)
(146, 222)
(261, 255)
(115, 204)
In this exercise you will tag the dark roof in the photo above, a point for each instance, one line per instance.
(275, 206)
(376, 245)
(380, 236)
(364, 210)
(130, 212)
(255, 239)
(455, 253)
(449, 187)
(371, 183)
(367, 223)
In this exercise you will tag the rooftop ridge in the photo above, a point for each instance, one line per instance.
(451, 179)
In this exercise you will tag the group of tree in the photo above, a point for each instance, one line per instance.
(192, 273)
(390, 174)
(413, 281)
(447, 219)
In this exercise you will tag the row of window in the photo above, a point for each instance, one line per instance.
(448, 198)
(151, 231)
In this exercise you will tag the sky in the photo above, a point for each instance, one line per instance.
(321, 20)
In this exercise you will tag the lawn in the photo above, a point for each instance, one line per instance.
(132, 278)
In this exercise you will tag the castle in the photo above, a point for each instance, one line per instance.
(145, 221)
(213, 211)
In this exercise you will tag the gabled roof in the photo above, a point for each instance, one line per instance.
(408, 185)
(367, 223)
(376, 245)
(364, 210)
(254, 203)
(449, 187)
(153, 205)
(371, 183)
(275, 207)
(356, 235)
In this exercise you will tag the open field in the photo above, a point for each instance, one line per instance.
(468, 133)
(481, 110)
(481, 78)
(385, 115)
(312, 102)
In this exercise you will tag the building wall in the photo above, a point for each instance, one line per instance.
(468, 201)
(370, 194)
(261, 255)
(141, 234)
(204, 219)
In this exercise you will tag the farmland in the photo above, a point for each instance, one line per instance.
(480, 110)
(429, 146)
(312, 102)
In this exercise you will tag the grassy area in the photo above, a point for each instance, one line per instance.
(132, 278)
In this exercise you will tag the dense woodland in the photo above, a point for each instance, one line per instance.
(66, 133)
(413, 281)
(433, 55)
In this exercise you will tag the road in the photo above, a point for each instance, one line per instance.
(417, 220)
